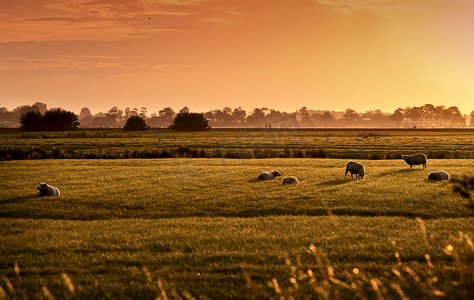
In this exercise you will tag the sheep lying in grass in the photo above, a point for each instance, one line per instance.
(289, 180)
(355, 168)
(440, 175)
(417, 159)
(46, 190)
(268, 175)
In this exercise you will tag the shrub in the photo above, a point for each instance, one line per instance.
(186, 121)
(135, 123)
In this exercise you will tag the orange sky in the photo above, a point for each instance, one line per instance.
(207, 54)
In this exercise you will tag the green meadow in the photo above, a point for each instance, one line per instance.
(181, 228)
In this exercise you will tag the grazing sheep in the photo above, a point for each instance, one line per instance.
(355, 168)
(417, 159)
(358, 139)
(366, 136)
(416, 138)
(289, 180)
(46, 190)
(268, 175)
(440, 175)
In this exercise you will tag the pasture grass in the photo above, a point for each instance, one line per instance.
(380, 144)
(207, 228)
(170, 188)
(213, 256)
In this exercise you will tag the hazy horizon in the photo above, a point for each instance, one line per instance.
(209, 54)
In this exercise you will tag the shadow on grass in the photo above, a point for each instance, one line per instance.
(345, 212)
(17, 199)
(334, 182)
(259, 180)
(399, 172)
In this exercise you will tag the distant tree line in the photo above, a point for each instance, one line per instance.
(427, 115)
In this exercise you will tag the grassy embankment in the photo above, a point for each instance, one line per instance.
(205, 225)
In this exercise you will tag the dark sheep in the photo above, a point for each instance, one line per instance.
(268, 175)
(355, 168)
(417, 159)
(440, 175)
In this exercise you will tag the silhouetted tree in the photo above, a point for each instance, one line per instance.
(42, 107)
(239, 115)
(52, 120)
(130, 112)
(472, 118)
(167, 114)
(59, 120)
(184, 110)
(186, 121)
(327, 118)
(31, 121)
(135, 123)
(455, 117)
(143, 112)
(397, 116)
(85, 117)
(257, 117)
(350, 115)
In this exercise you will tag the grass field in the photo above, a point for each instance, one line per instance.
(243, 143)
(204, 227)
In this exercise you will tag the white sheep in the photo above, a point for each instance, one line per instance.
(46, 190)
(268, 175)
(289, 180)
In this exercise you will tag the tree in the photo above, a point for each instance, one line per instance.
(31, 121)
(85, 117)
(186, 121)
(184, 110)
(135, 123)
(42, 107)
(239, 115)
(327, 118)
(52, 120)
(350, 115)
(397, 116)
(257, 117)
(59, 120)
(472, 118)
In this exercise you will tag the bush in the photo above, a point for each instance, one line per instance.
(135, 123)
(186, 121)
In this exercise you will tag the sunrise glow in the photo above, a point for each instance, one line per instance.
(207, 54)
